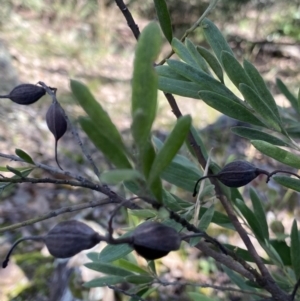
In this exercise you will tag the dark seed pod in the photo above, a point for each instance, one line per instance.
(68, 238)
(56, 123)
(235, 174)
(238, 173)
(153, 240)
(25, 94)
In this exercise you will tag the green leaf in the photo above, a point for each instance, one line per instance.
(237, 279)
(166, 71)
(261, 87)
(199, 297)
(202, 79)
(120, 175)
(260, 107)
(23, 155)
(113, 252)
(182, 52)
(170, 148)
(229, 107)
(15, 171)
(212, 62)
(127, 265)
(97, 114)
(286, 92)
(277, 153)
(242, 253)
(107, 268)
(259, 212)
(178, 87)
(199, 142)
(234, 70)
(139, 279)
(111, 150)
(104, 281)
(206, 218)
(199, 60)
(288, 182)
(143, 213)
(215, 38)
(253, 134)
(164, 18)
(283, 250)
(144, 85)
(295, 249)
(251, 219)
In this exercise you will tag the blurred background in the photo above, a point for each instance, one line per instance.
(88, 40)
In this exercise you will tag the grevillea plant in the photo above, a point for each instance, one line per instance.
(147, 167)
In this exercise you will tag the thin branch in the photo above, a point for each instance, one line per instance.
(55, 213)
(216, 287)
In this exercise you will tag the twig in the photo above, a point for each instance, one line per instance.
(217, 287)
(56, 212)
(293, 295)
(52, 93)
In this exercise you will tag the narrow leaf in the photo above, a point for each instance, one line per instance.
(200, 61)
(199, 297)
(199, 77)
(251, 219)
(277, 153)
(23, 155)
(120, 175)
(215, 38)
(286, 92)
(212, 62)
(144, 84)
(206, 218)
(107, 268)
(113, 252)
(261, 87)
(171, 147)
(259, 212)
(164, 18)
(127, 265)
(178, 87)
(234, 70)
(14, 171)
(111, 150)
(104, 281)
(139, 279)
(295, 249)
(166, 71)
(97, 114)
(288, 182)
(260, 107)
(229, 107)
(182, 52)
(253, 134)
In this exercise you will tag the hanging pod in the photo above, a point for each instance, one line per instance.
(56, 123)
(25, 94)
(65, 240)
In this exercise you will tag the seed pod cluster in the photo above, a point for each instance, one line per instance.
(56, 123)
(153, 240)
(66, 239)
(235, 174)
(25, 94)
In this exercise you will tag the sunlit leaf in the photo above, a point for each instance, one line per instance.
(277, 153)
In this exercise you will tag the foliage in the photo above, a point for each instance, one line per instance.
(150, 166)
